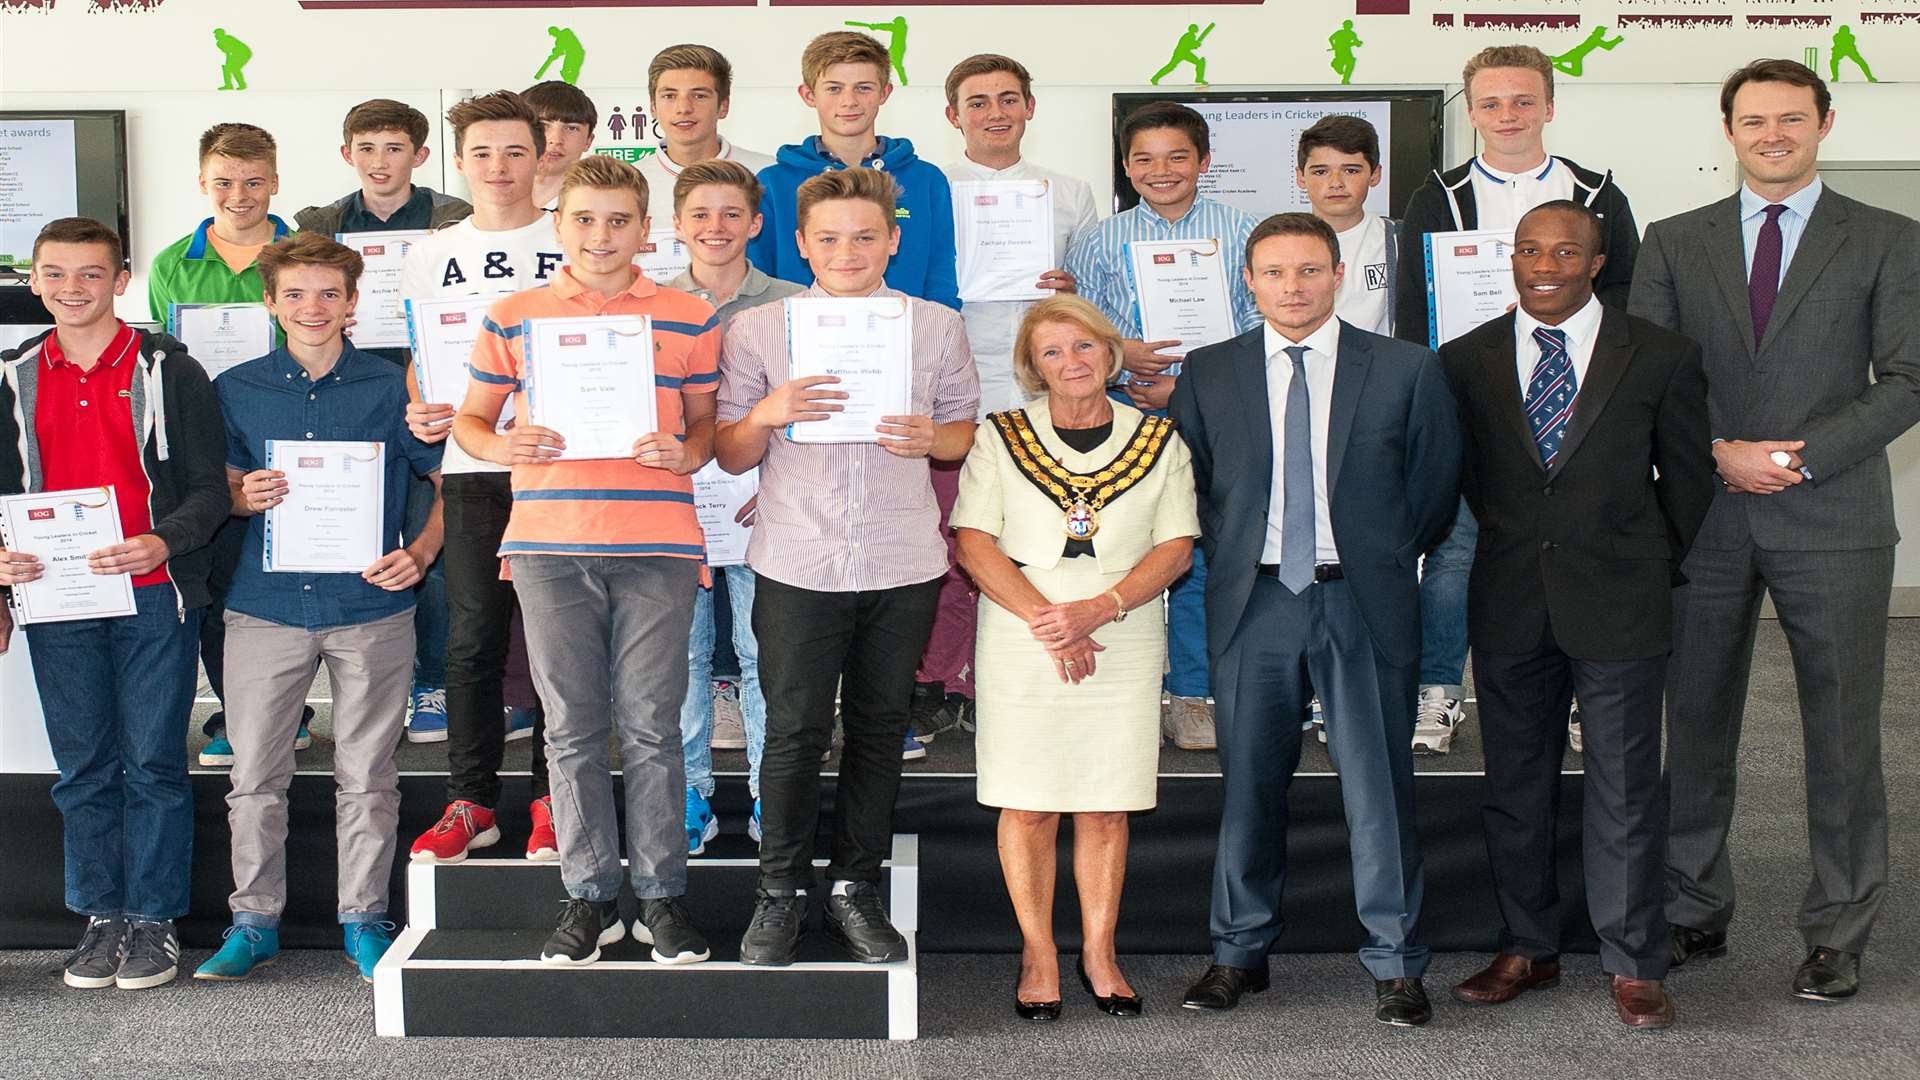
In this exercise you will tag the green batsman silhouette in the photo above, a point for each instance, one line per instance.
(1186, 51)
(568, 51)
(896, 31)
(236, 54)
(1574, 60)
(1846, 48)
(1342, 44)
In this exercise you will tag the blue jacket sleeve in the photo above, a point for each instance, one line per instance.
(943, 273)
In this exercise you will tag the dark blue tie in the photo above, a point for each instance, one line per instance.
(1297, 546)
(1550, 393)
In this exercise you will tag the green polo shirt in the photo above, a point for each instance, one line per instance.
(189, 271)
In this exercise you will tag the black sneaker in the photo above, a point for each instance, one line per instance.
(153, 955)
(95, 962)
(773, 936)
(584, 926)
(858, 921)
(665, 925)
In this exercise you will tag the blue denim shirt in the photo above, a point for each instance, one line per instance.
(363, 399)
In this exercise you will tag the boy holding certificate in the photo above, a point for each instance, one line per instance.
(605, 550)
(96, 404)
(303, 425)
(847, 553)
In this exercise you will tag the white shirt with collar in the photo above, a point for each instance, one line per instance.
(1793, 223)
(1582, 329)
(661, 172)
(1501, 199)
(1323, 348)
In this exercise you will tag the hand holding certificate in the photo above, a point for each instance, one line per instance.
(1469, 281)
(590, 380)
(1004, 233)
(725, 504)
(380, 317)
(328, 515)
(1180, 290)
(221, 336)
(51, 541)
(865, 344)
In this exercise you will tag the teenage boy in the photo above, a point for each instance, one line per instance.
(715, 212)
(568, 120)
(1509, 91)
(690, 88)
(1339, 163)
(606, 556)
(214, 264)
(845, 80)
(95, 403)
(829, 614)
(508, 245)
(317, 386)
(1167, 148)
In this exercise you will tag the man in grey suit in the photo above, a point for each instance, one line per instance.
(1327, 461)
(1807, 307)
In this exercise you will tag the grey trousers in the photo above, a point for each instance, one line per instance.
(270, 667)
(607, 642)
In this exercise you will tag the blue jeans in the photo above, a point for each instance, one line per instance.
(696, 715)
(113, 691)
(1443, 603)
(1187, 673)
(429, 598)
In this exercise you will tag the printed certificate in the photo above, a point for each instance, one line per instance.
(866, 342)
(591, 380)
(664, 257)
(221, 336)
(720, 499)
(332, 520)
(380, 318)
(61, 528)
(1004, 232)
(442, 334)
(1180, 293)
(1469, 281)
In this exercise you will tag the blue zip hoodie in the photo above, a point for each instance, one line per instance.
(924, 266)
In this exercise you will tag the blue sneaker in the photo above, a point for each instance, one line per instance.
(247, 949)
(217, 754)
(366, 943)
(429, 720)
(702, 826)
(912, 749)
(519, 724)
(304, 738)
(753, 823)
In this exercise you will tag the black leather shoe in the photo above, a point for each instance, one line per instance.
(1691, 944)
(1114, 1005)
(1040, 1012)
(1827, 975)
(1401, 1002)
(1221, 987)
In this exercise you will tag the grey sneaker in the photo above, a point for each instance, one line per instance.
(1436, 721)
(858, 921)
(729, 727)
(1189, 723)
(96, 960)
(664, 924)
(1574, 742)
(153, 955)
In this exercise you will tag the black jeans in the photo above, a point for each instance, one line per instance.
(226, 543)
(480, 616)
(868, 644)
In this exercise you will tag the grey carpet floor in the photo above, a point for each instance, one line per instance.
(309, 1017)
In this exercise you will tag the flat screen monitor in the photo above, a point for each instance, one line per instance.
(55, 165)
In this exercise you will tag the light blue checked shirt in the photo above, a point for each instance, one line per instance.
(1793, 223)
(1098, 258)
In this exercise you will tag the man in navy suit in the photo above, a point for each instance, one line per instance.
(1314, 513)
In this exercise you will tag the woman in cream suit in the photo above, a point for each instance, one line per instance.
(1074, 515)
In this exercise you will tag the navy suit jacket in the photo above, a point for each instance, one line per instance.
(1393, 475)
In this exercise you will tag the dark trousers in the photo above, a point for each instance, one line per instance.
(1524, 700)
(226, 544)
(480, 615)
(868, 645)
(1287, 647)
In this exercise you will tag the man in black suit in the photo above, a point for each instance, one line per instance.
(1588, 468)
(1327, 462)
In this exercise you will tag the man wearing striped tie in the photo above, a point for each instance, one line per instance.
(1589, 468)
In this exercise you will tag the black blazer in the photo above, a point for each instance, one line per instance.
(1595, 544)
(1393, 475)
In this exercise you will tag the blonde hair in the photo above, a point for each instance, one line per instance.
(1508, 56)
(601, 171)
(844, 47)
(1065, 308)
(714, 171)
(871, 185)
(241, 142)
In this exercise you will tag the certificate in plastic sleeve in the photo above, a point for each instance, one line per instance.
(719, 498)
(1469, 281)
(591, 380)
(221, 336)
(864, 341)
(332, 520)
(1180, 293)
(61, 528)
(380, 316)
(664, 257)
(442, 334)
(1004, 234)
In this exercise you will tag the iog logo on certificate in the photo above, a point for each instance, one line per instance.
(1163, 260)
(1463, 251)
(986, 200)
(374, 249)
(313, 463)
(45, 513)
(569, 340)
(452, 318)
(832, 320)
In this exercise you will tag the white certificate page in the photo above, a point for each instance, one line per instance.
(720, 498)
(1004, 232)
(61, 528)
(1469, 281)
(1180, 291)
(664, 257)
(221, 336)
(442, 334)
(867, 343)
(332, 520)
(591, 380)
(380, 317)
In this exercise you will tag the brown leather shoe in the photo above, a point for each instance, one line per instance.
(1188, 723)
(1642, 1003)
(1507, 978)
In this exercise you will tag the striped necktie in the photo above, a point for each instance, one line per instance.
(1550, 393)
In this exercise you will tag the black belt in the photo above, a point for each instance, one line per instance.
(1326, 571)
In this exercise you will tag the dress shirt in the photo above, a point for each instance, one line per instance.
(1793, 223)
(1582, 329)
(1323, 349)
(1501, 199)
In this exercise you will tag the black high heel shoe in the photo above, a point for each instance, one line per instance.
(1039, 1012)
(1117, 1005)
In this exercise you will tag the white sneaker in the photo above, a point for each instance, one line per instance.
(1436, 721)
(1573, 730)
(1317, 720)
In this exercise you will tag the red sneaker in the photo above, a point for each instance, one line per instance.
(462, 828)
(541, 846)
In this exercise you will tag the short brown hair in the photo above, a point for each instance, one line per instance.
(562, 102)
(1293, 225)
(1791, 72)
(308, 248)
(601, 171)
(1342, 134)
(80, 230)
(843, 47)
(986, 64)
(691, 58)
(1508, 56)
(1061, 308)
(385, 114)
(499, 105)
(724, 173)
(871, 185)
(241, 142)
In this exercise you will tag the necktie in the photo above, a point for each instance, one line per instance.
(1297, 537)
(1550, 393)
(1763, 284)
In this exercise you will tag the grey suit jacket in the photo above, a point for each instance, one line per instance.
(1839, 367)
